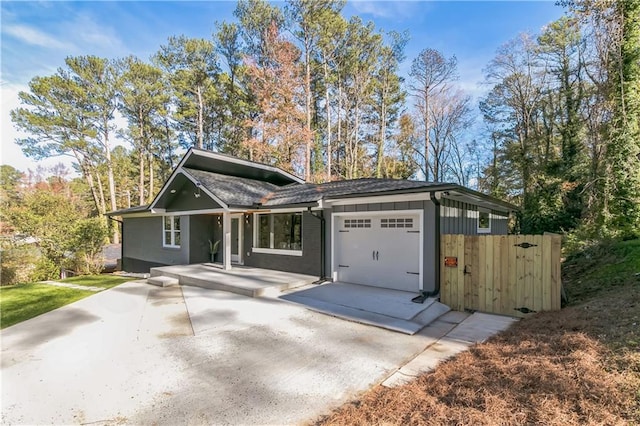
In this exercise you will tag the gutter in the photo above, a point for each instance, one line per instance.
(436, 203)
(323, 243)
(426, 294)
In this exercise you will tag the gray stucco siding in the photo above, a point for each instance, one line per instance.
(310, 261)
(143, 243)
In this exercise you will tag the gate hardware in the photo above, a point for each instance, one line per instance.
(525, 245)
(525, 310)
(466, 272)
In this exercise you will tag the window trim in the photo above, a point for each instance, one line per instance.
(486, 230)
(173, 231)
(271, 250)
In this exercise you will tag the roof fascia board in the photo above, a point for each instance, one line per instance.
(410, 196)
(162, 212)
(124, 212)
(173, 175)
(234, 160)
(139, 214)
(478, 198)
(196, 212)
(290, 206)
(282, 210)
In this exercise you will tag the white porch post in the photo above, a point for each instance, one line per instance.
(226, 233)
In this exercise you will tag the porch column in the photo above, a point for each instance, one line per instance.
(226, 238)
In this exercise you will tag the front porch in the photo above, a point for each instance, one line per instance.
(247, 281)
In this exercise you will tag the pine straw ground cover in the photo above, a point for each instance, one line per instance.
(574, 367)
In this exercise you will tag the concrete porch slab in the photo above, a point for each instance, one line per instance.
(385, 308)
(381, 301)
(247, 281)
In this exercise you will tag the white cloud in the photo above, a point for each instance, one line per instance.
(94, 35)
(388, 9)
(36, 37)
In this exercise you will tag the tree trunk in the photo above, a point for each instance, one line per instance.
(103, 204)
(141, 158)
(328, 107)
(200, 135)
(151, 177)
(115, 238)
(426, 135)
(339, 122)
(141, 178)
(89, 177)
(307, 88)
(383, 131)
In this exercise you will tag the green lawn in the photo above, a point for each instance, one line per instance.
(23, 301)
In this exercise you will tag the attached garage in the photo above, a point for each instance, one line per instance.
(381, 249)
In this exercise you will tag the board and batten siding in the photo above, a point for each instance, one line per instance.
(429, 236)
(457, 217)
(143, 248)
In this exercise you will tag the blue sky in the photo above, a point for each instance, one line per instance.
(37, 36)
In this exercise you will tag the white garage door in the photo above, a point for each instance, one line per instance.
(378, 250)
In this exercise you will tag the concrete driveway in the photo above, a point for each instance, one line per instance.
(141, 354)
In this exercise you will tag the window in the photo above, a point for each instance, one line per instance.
(484, 222)
(171, 232)
(357, 223)
(278, 231)
(399, 222)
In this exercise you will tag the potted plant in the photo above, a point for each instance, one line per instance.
(213, 249)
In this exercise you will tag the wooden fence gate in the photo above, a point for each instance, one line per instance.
(503, 274)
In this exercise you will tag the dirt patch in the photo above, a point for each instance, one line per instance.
(574, 367)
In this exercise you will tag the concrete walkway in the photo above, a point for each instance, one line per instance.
(458, 331)
(73, 286)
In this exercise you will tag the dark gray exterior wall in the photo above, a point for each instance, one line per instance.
(202, 229)
(429, 277)
(308, 263)
(328, 237)
(457, 217)
(142, 245)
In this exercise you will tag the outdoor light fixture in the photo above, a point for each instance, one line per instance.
(173, 191)
(219, 220)
(197, 194)
(246, 218)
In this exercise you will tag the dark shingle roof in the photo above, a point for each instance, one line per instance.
(233, 190)
(308, 193)
(244, 192)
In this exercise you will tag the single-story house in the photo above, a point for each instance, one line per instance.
(378, 232)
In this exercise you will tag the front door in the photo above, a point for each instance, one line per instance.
(236, 239)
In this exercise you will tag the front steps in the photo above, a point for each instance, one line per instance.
(163, 281)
